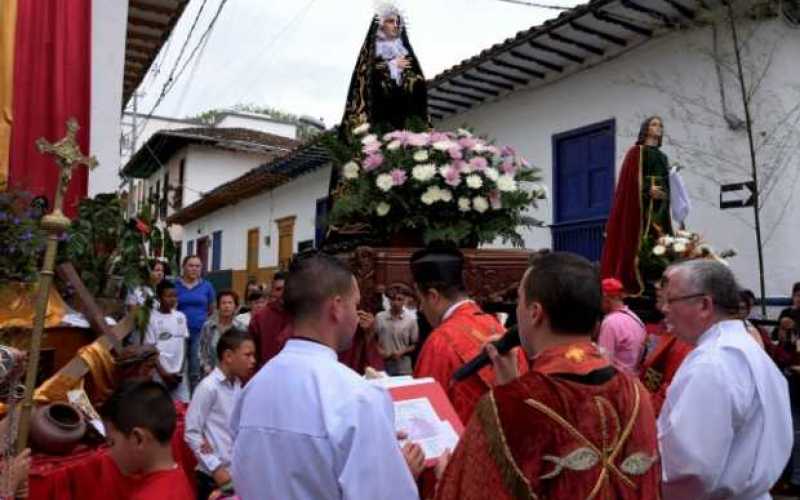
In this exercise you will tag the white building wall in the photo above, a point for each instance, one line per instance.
(207, 167)
(257, 122)
(108, 61)
(673, 78)
(145, 128)
(297, 198)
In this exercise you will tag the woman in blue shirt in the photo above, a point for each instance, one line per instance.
(196, 298)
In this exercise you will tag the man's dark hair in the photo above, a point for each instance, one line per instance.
(145, 404)
(228, 293)
(568, 287)
(747, 295)
(164, 286)
(232, 340)
(254, 295)
(279, 276)
(313, 279)
(186, 259)
(796, 288)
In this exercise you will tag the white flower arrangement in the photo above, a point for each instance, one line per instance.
(452, 185)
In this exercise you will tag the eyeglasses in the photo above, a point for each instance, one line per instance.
(672, 300)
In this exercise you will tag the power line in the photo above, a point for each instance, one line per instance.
(536, 4)
(172, 80)
(164, 89)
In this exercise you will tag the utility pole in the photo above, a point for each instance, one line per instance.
(754, 169)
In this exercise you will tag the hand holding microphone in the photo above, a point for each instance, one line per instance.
(497, 351)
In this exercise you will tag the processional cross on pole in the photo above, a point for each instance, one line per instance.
(67, 156)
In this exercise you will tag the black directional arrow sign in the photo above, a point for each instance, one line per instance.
(748, 188)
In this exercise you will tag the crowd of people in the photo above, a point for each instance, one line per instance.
(594, 402)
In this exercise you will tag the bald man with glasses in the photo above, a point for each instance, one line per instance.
(725, 429)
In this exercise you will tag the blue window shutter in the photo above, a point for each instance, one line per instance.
(189, 248)
(216, 251)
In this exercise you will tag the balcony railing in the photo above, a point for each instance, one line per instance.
(583, 237)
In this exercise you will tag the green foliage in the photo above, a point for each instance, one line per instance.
(304, 131)
(102, 244)
(22, 242)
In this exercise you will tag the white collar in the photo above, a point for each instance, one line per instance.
(309, 347)
(450, 310)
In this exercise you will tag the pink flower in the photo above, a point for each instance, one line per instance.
(494, 150)
(524, 162)
(418, 140)
(459, 165)
(494, 200)
(437, 136)
(478, 163)
(398, 176)
(455, 153)
(467, 142)
(372, 162)
(507, 167)
(371, 148)
(451, 175)
(508, 151)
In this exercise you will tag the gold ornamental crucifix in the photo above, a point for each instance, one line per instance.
(67, 156)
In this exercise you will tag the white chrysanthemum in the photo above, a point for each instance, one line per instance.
(464, 132)
(479, 147)
(350, 170)
(361, 129)
(480, 204)
(540, 191)
(679, 247)
(421, 156)
(667, 241)
(394, 145)
(659, 250)
(382, 208)
(430, 196)
(474, 181)
(384, 182)
(446, 195)
(442, 145)
(506, 183)
(464, 204)
(369, 139)
(492, 174)
(424, 172)
(682, 240)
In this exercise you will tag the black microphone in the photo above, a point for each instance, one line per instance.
(504, 344)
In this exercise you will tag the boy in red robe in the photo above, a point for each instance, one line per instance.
(573, 426)
(460, 328)
(140, 420)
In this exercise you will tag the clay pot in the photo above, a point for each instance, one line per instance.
(56, 428)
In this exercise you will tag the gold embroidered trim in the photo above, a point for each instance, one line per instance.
(578, 459)
(512, 475)
(638, 463)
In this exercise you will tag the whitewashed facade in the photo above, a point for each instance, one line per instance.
(671, 73)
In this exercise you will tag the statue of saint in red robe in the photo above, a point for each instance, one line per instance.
(572, 427)
(640, 213)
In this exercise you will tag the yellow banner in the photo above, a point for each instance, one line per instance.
(8, 29)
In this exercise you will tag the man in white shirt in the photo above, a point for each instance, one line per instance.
(725, 428)
(207, 420)
(308, 427)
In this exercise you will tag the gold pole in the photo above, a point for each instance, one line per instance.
(67, 156)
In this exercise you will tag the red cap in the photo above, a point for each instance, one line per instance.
(612, 287)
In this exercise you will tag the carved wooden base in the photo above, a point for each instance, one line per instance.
(490, 275)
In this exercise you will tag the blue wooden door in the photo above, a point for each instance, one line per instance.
(216, 250)
(583, 186)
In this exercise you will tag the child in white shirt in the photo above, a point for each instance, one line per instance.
(168, 331)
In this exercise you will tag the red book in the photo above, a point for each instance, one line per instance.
(424, 413)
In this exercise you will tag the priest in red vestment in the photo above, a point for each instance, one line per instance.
(573, 426)
(460, 328)
(661, 363)
(271, 327)
(641, 210)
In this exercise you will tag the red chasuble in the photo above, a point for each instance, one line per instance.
(455, 341)
(624, 227)
(660, 366)
(564, 430)
(110, 483)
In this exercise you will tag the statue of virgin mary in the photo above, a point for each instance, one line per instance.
(387, 88)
